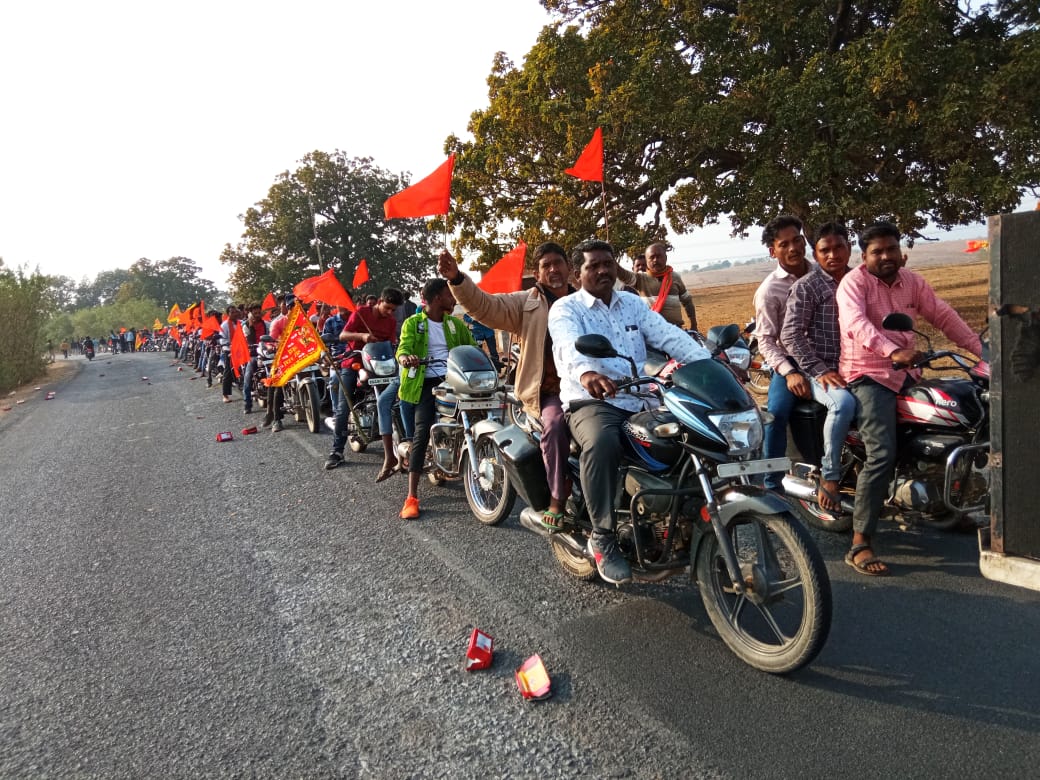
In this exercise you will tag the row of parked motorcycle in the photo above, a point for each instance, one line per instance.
(688, 501)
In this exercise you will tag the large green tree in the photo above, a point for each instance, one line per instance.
(915, 110)
(341, 200)
(167, 282)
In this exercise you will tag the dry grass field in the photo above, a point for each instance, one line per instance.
(963, 286)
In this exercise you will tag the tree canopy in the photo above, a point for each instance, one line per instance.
(345, 196)
(913, 110)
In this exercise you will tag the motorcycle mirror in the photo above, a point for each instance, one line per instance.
(898, 321)
(722, 337)
(596, 346)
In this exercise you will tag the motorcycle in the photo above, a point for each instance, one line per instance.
(942, 445)
(686, 503)
(759, 372)
(88, 351)
(376, 368)
(470, 408)
(301, 395)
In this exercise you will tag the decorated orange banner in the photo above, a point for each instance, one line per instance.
(174, 316)
(298, 347)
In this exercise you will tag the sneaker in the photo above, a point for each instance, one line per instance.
(248, 410)
(333, 460)
(266, 422)
(276, 426)
(610, 563)
(410, 510)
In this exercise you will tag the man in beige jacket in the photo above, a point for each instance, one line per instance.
(662, 288)
(526, 315)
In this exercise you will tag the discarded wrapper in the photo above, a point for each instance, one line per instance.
(6, 408)
(225, 436)
(180, 368)
(533, 680)
(248, 431)
(478, 654)
(36, 388)
(144, 379)
(49, 397)
(20, 401)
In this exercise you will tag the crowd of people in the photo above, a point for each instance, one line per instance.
(818, 323)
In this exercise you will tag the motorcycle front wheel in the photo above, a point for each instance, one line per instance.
(488, 491)
(781, 620)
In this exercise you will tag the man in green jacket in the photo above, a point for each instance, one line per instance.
(428, 335)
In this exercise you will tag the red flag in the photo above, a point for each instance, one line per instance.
(269, 302)
(298, 347)
(589, 165)
(325, 287)
(975, 245)
(361, 274)
(504, 276)
(313, 309)
(239, 348)
(425, 198)
(210, 325)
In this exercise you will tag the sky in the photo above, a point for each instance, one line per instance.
(138, 129)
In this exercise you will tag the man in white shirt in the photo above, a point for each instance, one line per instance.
(588, 387)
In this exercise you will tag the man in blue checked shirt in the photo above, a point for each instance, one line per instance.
(588, 391)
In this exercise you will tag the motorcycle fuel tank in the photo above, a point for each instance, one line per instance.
(653, 451)
(943, 403)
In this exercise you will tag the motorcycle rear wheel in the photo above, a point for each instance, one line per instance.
(490, 495)
(781, 621)
(811, 513)
(573, 562)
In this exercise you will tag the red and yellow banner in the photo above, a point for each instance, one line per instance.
(298, 347)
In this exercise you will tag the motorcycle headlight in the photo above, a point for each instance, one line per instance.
(384, 367)
(743, 430)
(482, 381)
(739, 357)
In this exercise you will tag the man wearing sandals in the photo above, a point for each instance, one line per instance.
(811, 337)
(526, 315)
(867, 294)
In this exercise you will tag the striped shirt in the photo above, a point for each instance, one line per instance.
(810, 333)
(864, 301)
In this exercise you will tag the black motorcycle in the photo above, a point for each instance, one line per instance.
(686, 504)
(942, 443)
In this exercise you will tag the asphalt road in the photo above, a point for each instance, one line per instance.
(171, 606)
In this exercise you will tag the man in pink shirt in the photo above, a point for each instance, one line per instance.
(866, 295)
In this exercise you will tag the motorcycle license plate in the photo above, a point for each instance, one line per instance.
(747, 467)
(491, 403)
(379, 381)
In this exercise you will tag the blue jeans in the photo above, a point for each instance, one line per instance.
(841, 409)
(877, 428)
(781, 402)
(247, 383)
(385, 404)
(347, 383)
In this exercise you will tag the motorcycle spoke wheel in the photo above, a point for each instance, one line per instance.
(488, 491)
(815, 515)
(781, 620)
(573, 562)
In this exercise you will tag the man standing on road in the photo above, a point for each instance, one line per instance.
(428, 335)
(275, 395)
(783, 237)
(587, 385)
(811, 337)
(526, 315)
(661, 286)
(867, 294)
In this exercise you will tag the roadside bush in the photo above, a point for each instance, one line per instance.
(24, 310)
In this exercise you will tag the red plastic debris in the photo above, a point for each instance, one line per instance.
(248, 431)
(478, 654)
(225, 436)
(533, 680)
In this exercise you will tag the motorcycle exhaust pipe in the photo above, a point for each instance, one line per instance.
(805, 490)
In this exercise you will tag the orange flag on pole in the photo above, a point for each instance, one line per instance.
(425, 198)
(269, 302)
(298, 347)
(173, 316)
(324, 287)
(505, 275)
(156, 325)
(239, 348)
(976, 245)
(361, 274)
(589, 165)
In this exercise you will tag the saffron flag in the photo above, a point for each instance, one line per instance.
(361, 274)
(313, 309)
(239, 349)
(505, 275)
(176, 334)
(138, 341)
(425, 198)
(156, 325)
(325, 288)
(589, 165)
(185, 317)
(173, 316)
(298, 347)
(210, 325)
(976, 245)
(269, 302)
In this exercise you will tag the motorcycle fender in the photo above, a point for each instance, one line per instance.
(486, 428)
(748, 498)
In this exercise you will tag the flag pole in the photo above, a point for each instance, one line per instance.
(606, 223)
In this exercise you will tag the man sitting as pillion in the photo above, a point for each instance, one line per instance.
(588, 391)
